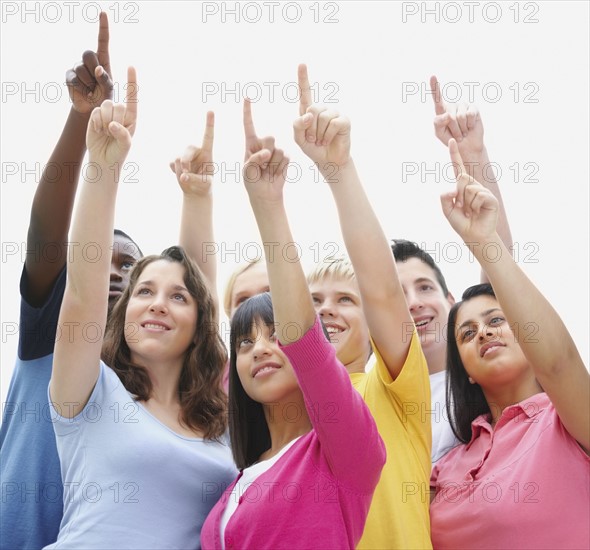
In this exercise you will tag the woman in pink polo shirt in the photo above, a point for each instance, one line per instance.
(519, 399)
(307, 446)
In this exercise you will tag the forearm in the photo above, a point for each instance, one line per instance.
(292, 304)
(92, 238)
(480, 168)
(196, 235)
(52, 206)
(541, 333)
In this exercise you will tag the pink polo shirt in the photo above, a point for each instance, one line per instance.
(524, 484)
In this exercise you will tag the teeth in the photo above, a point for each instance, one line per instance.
(265, 369)
(333, 330)
(152, 325)
(422, 323)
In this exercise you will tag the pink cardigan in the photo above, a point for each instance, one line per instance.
(318, 493)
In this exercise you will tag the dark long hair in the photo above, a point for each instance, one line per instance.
(248, 429)
(203, 402)
(465, 401)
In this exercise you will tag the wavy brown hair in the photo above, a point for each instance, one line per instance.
(202, 399)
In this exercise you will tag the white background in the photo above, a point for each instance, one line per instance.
(362, 56)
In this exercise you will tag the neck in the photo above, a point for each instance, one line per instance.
(286, 420)
(500, 398)
(436, 358)
(164, 377)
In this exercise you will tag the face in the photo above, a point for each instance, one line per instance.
(487, 346)
(125, 256)
(251, 282)
(428, 305)
(161, 315)
(264, 370)
(338, 303)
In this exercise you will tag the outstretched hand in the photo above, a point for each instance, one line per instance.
(89, 87)
(254, 144)
(472, 210)
(460, 121)
(194, 170)
(322, 134)
(112, 126)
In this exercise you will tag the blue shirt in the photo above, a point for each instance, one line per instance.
(31, 506)
(129, 480)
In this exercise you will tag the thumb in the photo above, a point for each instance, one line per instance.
(105, 84)
(120, 133)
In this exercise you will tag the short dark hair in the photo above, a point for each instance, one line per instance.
(465, 401)
(121, 233)
(403, 250)
(248, 429)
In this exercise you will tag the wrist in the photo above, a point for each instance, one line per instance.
(334, 173)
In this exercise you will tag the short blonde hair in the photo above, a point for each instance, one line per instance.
(338, 267)
(229, 287)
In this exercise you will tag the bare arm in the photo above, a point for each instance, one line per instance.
(472, 211)
(464, 124)
(51, 211)
(77, 357)
(194, 171)
(324, 136)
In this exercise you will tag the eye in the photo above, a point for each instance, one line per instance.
(425, 287)
(127, 265)
(467, 335)
(244, 342)
(496, 320)
(346, 299)
(179, 297)
(315, 299)
(144, 291)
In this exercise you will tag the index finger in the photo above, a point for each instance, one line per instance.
(131, 95)
(304, 89)
(209, 132)
(249, 129)
(439, 107)
(456, 159)
(102, 50)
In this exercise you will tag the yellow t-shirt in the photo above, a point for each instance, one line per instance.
(399, 514)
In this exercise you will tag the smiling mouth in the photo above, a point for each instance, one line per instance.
(265, 370)
(489, 349)
(154, 326)
(421, 325)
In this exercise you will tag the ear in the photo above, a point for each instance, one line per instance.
(451, 299)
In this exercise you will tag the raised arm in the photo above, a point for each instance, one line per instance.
(84, 307)
(472, 211)
(51, 211)
(463, 123)
(324, 136)
(324, 382)
(264, 178)
(194, 172)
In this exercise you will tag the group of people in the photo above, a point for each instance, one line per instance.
(158, 436)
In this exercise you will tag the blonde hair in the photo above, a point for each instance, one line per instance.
(229, 287)
(338, 267)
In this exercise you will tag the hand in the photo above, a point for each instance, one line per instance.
(111, 126)
(195, 169)
(88, 89)
(264, 177)
(472, 210)
(322, 134)
(253, 142)
(459, 121)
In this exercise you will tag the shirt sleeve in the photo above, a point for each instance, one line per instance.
(344, 425)
(38, 325)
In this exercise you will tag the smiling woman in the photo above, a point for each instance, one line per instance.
(150, 417)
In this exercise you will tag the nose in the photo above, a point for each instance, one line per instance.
(485, 331)
(158, 304)
(116, 275)
(414, 301)
(325, 308)
(261, 347)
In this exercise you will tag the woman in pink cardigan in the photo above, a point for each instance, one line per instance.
(307, 446)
